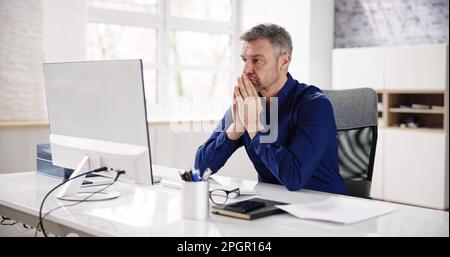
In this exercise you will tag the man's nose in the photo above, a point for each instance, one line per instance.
(248, 68)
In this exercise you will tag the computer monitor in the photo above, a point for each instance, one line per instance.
(97, 114)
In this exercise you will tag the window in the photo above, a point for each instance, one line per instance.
(219, 10)
(187, 46)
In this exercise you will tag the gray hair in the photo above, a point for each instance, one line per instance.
(277, 35)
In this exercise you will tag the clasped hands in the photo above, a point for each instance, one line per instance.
(246, 110)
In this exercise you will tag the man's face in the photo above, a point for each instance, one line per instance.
(261, 63)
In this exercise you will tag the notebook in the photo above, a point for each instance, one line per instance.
(268, 210)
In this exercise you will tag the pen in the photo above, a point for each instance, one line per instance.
(206, 174)
(186, 176)
(191, 177)
(195, 176)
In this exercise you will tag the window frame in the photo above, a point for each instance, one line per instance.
(164, 24)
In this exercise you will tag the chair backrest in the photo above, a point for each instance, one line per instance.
(356, 115)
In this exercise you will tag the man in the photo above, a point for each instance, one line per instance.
(304, 153)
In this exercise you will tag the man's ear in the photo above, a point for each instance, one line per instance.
(285, 61)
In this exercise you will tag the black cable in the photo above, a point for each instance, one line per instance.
(76, 203)
(7, 219)
(119, 172)
(40, 224)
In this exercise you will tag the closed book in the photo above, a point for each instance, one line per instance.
(267, 210)
(420, 106)
(437, 107)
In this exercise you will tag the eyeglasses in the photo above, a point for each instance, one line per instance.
(220, 196)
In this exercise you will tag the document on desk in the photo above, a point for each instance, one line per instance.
(339, 209)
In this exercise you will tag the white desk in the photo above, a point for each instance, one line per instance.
(155, 211)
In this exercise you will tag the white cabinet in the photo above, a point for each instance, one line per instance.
(416, 67)
(414, 168)
(397, 67)
(411, 164)
(357, 67)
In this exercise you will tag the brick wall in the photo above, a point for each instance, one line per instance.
(33, 32)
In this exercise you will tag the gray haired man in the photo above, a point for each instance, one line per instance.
(305, 151)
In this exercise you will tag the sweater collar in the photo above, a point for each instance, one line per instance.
(284, 92)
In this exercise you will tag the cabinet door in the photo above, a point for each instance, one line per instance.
(414, 171)
(416, 67)
(358, 67)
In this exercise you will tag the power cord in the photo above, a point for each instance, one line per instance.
(7, 221)
(41, 218)
(72, 204)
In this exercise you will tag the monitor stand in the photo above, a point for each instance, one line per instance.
(72, 190)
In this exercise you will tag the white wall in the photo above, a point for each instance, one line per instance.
(321, 42)
(311, 25)
(33, 32)
(18, 147)
(178, 150)
(18, 150)
(21, 44)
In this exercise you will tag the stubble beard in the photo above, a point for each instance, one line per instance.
(256, 83)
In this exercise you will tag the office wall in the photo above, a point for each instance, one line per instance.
(34, 32)
(321, 42)
(18, 149)
(21, 44)
(362, 23)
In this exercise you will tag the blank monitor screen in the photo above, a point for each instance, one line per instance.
(102, 100)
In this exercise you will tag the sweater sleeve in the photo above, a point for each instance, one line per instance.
(294, 165)
(218, 148)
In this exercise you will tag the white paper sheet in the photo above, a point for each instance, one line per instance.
(339, 209)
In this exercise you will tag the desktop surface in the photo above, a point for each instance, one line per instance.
(156, 211)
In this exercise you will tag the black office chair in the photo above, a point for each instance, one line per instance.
(356, 115)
